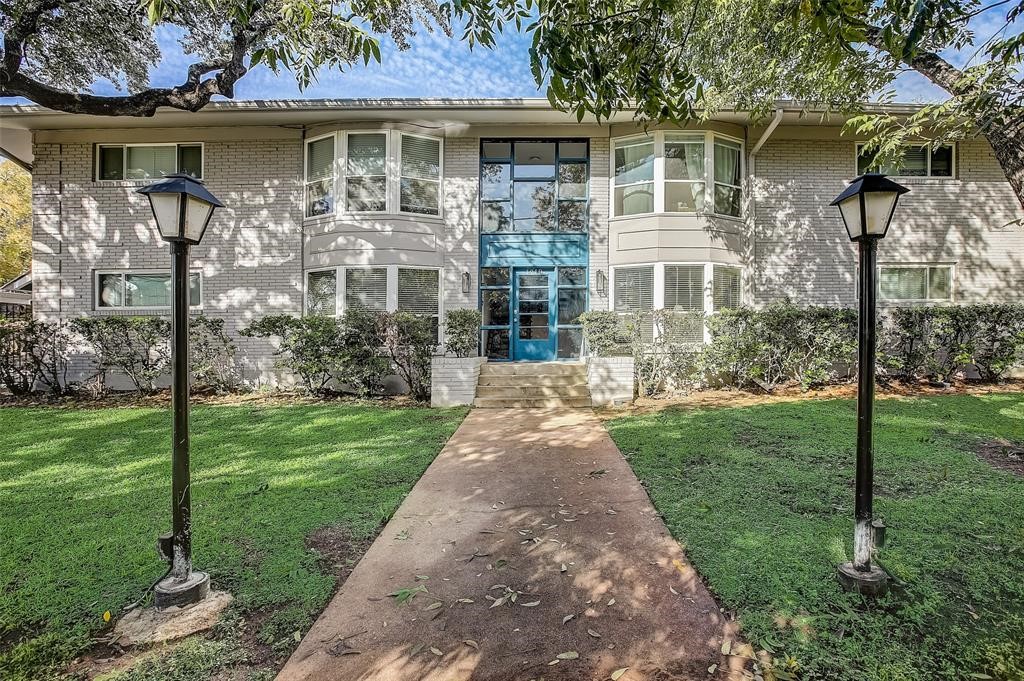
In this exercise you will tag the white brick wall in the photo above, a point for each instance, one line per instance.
(250, 257)
(801, 250)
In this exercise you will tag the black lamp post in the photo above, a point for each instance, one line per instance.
(182, 207)
(867, 207)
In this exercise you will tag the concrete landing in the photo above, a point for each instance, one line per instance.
(536, 506)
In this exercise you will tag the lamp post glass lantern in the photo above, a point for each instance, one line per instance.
(182, 207)
(867, 206)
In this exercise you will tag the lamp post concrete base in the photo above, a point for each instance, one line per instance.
(873, 582)
(172, 592)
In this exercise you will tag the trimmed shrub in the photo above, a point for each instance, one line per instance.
(32, 353)
(211, 354)
(605, 333)
(462, 332)
(310, 347)
(139, 347)
(410, 341)
(362, 365)
(999, 341)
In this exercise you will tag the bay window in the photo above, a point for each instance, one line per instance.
(148, 161)
(691, 172)
(374, 171)
(385, 288)
(141, 290)
(685, 291)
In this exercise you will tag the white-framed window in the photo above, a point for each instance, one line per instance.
(916, 160)
(366, 172)
(915, 283)
(385, 288)
(141, 289)
(374, 171)
(634, 177)
(681, 172)
(675, 287)
(148, 161)
(320, 176)
(419, 184)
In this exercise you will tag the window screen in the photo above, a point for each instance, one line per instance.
(366, 288)
(634, 293)
(726, 287)
(320, 177)
(684, 288)
(420, 186)
(366, 182)
(897, 283)
(634, 178)
(321, 293)
(142, 289)
(144, 163)
(419, 293)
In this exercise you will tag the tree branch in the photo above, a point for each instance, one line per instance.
(192, 95)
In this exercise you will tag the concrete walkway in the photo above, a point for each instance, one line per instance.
(539, 504)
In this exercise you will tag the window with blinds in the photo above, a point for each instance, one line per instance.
(725, 287)
(684, 288)
(147, 161)
(634, 294)
(125, 290)
(420, 183)
(419, 292)
(366, 172)
(322, 293)
(914, 160)
(915, 283)
(320, 177)
(366, 288)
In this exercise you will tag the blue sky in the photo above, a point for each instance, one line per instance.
(438, 66)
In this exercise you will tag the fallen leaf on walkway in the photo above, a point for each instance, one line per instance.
(403, 535)
(612, 511)
(464, 600)
(532, 604)
(567, 618)
(571, 655)
(341, 648)
(617, 674)
(712, 669)
(564, 568)
(472, 644)
(422, 577)
(434, 606)
(598, 473)
(488, 532)
(106, 616)
(406, 595)
(593, 633)
(726, 646)
(611, 602)
(553, 662)
(436, 651)
(673, 590)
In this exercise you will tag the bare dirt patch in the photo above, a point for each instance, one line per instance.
(1002, 454)
(338, 550)
(711, 399)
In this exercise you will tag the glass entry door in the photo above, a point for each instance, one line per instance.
(533, 314)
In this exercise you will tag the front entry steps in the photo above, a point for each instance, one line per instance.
(532, 385)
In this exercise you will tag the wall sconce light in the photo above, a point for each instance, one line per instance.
(602, 283)
(466, 281)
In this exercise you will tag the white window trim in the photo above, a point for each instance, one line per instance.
(658, 138)
(659, 286)
(946, 178)
(393, 177)
(916, 301)
(140, 308)
(391, 293)
(399, 176)
(124, 159)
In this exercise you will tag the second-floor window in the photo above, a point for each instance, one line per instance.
(691, 172)
(915, 160)
(373, 171)
(148, 161)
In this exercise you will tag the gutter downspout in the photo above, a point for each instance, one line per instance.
(776, 119)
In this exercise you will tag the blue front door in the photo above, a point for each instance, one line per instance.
(533, 314)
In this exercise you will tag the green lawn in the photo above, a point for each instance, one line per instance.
(762, 499)
(84, 494)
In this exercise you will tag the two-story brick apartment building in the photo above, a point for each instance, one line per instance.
(505, 205)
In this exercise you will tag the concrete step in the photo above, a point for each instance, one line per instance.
(529, 391)
(560, 380)
(532, 403)
(533, 369)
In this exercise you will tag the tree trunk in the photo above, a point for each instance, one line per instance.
(1003, 129)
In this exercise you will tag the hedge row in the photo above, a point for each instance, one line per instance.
(809, 346)
(356, 352)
